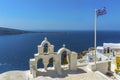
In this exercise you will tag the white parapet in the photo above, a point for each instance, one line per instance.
(101, 66)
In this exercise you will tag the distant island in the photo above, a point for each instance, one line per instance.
(10, 31)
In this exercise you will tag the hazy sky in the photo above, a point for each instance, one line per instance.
(59, 14)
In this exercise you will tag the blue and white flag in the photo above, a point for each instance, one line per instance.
(100, 12)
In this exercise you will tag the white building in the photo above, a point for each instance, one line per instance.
(111, 48)
(100, 49)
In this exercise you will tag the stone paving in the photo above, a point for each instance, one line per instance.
(82, 73)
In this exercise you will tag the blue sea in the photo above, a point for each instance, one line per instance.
(16, 50)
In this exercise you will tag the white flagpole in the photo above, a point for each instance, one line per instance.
(95, 25)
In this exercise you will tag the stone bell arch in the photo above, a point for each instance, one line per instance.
(71, 57)
(41, 47)
(46, 56)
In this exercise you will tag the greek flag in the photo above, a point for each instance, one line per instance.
(100, 12)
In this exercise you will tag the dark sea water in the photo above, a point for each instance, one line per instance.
(16, 50)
